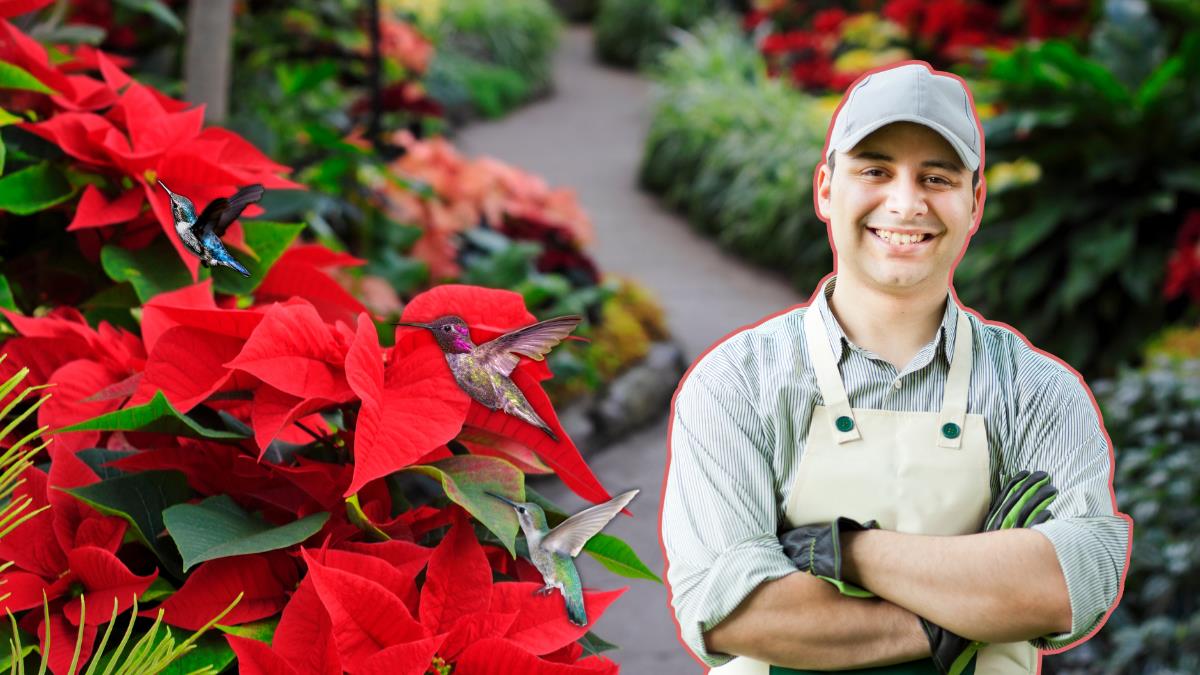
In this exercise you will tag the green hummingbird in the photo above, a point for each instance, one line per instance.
(553, 551)
(483, 370)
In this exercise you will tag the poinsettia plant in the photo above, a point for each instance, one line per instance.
(264, 451)
(252, 448)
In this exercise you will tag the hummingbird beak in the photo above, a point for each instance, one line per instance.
(164, 186)
(415, 325)
(503, 499)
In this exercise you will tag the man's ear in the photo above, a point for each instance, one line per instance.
(823, 182)
(977, 197)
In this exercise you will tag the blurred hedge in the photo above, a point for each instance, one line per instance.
(633, 32)
(734, 150)
(1153, 419)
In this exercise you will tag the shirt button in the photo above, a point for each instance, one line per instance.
(844, 423)
(897, 384)
(950, 430)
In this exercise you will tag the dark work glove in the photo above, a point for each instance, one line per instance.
(1023, 502)
(817, 549)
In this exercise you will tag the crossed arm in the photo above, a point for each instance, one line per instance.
(1003, 586)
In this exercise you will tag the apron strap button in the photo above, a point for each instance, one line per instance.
(844, 423)
(950, 430)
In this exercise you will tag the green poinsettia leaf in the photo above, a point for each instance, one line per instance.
(263, 631)
(15, 77)
(6, 296)
(593, 644)
(34, 188)
(140, 499)
(157, 416)
(466, 479)
(152, 270)
(218, 528)
(160, 589)
(618, 557)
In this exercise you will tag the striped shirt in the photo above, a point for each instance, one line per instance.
(738, 433)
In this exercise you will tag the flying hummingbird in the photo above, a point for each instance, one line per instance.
(483, 370)
(202, 235)
(553, 551)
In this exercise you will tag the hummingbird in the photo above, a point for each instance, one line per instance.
(553, 551)
(483, 370)
(202, 235)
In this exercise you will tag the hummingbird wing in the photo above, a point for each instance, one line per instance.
(503, 353)
(571, 534)
(221, 212)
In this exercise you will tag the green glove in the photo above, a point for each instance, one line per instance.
(1023, 502)
(817, 549)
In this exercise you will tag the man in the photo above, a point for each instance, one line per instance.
(874, 429)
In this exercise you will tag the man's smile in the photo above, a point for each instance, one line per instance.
(902, 241)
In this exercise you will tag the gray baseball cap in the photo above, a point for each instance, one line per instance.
(909, 93)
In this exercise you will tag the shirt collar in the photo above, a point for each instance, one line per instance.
(943, 340)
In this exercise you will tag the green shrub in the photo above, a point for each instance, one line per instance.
(633, 32)
(735, 151)
(577, 10)
(1086, 246)
(1153, 419)
(465, 86)
(519, 35)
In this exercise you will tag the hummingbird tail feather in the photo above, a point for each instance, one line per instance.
(552, 435)
(233, 264)
(576, 613)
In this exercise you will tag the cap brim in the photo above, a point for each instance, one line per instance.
(968, 158)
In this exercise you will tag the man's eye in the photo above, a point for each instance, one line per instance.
(873, 172)
(940, 181)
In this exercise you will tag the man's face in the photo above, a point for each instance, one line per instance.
(903, 179)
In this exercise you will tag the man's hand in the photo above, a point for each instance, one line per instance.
(1023, 502)
(817, 549)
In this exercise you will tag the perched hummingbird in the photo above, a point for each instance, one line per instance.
(553, 551)
(202, 235)
(483, 370)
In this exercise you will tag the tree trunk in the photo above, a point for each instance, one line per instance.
(207, 57)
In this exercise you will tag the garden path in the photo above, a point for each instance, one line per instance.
(589, 136)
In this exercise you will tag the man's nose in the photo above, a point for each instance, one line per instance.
(905, 199)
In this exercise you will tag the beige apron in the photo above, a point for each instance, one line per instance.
(913, 472)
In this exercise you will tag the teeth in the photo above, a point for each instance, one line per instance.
(898, 238)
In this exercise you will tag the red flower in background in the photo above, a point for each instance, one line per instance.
(1183, 267)
(1056, 18)
(829, 21)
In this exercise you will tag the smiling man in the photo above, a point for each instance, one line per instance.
(838, 494)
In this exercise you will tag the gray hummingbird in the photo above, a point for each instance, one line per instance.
(483, 370)
(553, 551)
(202, 235)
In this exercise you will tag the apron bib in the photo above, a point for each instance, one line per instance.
(913, 472)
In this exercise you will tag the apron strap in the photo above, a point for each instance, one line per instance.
(954, 401)
(842, 424)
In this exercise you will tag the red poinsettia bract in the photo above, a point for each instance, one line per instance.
(356, 612)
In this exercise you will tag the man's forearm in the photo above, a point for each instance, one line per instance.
(800, 621)
(1003, 586)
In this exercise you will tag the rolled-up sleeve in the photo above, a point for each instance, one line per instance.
(1061, 433)
(719, 507)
